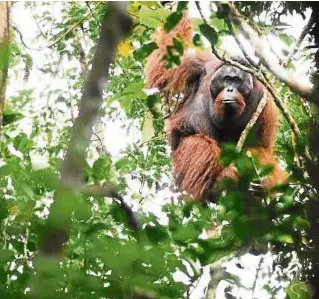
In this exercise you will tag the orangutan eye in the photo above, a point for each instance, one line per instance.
(236, 79)
(227, 78)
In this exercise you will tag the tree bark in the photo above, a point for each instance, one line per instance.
(114, 26)
(313, 168)
(4, 53)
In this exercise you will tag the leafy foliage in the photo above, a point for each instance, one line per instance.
(103, 256)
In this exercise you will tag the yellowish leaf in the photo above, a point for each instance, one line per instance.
(147, 126)
(125, 48)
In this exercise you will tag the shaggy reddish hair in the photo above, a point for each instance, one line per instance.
(195, 155)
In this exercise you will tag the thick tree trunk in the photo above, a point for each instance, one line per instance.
(4, 53)
(313, 168)
(115, 25)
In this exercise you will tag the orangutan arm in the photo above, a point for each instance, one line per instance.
(196, 165)
(268, 122)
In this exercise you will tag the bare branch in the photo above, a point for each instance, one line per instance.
(21, 37)
(297, 44)
(252, 121)
(256, 277)
(240, 45)
(114, 26)
(73, 26)
(200, 11)
(62, 36)
(110, 191)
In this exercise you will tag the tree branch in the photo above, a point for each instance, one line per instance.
(256, 277)
(297, 44)
(241, 46)
(262, 77)
(252, 121)
(262, 51)
(110, 191)
(200, 11)
(59, 38)
(4, 53)
(114, 26)
(73, 26)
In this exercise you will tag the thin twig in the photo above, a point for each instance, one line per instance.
(240, 45)
(297, 44)
(62, 36)
(256, 277)
(74, 26)
(143, 143)
(100, 141)
(21, 37)
(200, 11)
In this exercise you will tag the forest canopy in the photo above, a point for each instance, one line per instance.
(88, 207)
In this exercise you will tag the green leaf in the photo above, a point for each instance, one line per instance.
(172, 20)
(5, 255)
(143, 52)
(122, 163)
(45, 177)
(186, 232)
(210, 33)
(22, 142)
(82, 210)
(219, 24)
(301, 224)
(10, 116)
(130, 93)
(102, 167)
(211, 250)
(3, 209)
(229, 154)
(178, 46)
(197, 40)
(288, 40)
(94, 228)
(285, 238)
(266, 170)
(147, 126)
(156, 233)
(182, 5)
(299, 290)
(152, 17)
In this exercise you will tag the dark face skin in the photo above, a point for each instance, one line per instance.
(220, 106)
(230, 87)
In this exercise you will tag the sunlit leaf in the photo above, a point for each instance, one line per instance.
(125, 48)
(299, 290)
(147, 127)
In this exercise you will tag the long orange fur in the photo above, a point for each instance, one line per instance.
(195, 160)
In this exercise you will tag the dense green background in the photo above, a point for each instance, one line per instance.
(104, 258)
